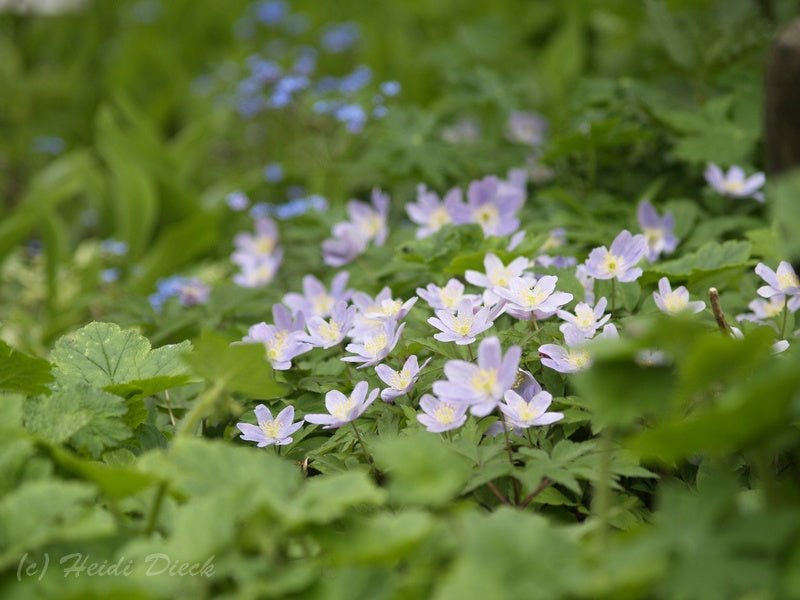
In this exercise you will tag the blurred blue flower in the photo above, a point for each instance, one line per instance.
(379, 111)
(115, 247)
(271, 12)
(188, 290)
(356, 80)
(237, 201)
(390, 88)
(48, 144)
(340, 37)
(353, 116)
(250, 106)
(306, 62)
(273, 172)
(262, 70)
(261, 210)
(109, 275)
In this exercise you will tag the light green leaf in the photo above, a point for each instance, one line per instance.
(22, 373)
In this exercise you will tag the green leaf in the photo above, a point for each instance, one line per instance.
(325, 499)
(42, 511)
(103, 354)
(710, 258)
(240, 368)
(115, 481)
(422, 468)
(22, 373)
(672, 35)
(88, 417)
(784, 193)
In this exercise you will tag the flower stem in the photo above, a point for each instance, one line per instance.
(785, 314)
(716, 309)
(152, 519)
(510, 458)
(362, 445)
(469, 353)
(613, 294)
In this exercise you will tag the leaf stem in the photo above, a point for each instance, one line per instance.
(716, 310)
(498, 494)
(545, 483)
(157, 503)
(363, 446)
(201, 406)
(517, 489)
(613, 295)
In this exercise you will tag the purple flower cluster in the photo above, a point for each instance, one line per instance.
(257, 255)
(367, 223)
(492, 203)
(188, 290)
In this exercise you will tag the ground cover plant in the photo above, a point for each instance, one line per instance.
(395, 300)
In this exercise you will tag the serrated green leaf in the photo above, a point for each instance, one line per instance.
(89, 418)
(103, 354)
(22, 373)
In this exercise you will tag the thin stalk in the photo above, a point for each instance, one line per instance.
(517, 489)
(469, 353)
(161, 492)
(498, 494)
(363, 446)
(201, 406)
(545, 483)
(716, 310)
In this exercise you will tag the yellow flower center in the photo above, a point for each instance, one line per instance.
(487, 215)
(533, 297)
(372, 225)
(584, 316)
(499, 277)
(330, 330)
(528, 412)
(391, 307)
(772, 309)
(653, 235)
(484, 381)
(733, 186)
(341, 411)
(449, 299)
(439, 218)
(674, 303)
(610, 264)
(375, 344)
(401, 380)
(264, 245)
(271, 430)
(787, 280)
(444, 414)
(578, 358)
(275, 347)
(322, 304)
(462, 325)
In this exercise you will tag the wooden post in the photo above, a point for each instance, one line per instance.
(782, 103)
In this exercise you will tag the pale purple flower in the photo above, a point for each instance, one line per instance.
(316, 300)
(777, 347)
(493, 204)
(518, 177)
(269, 431)
(497, 275)
(532, 412)
(526, 295)
(464, 326)
(783, 282)
(526, 128)
(555, 239)
(257, 271)
(447, 297)
(575, 357)
(586, 319)
(370, 218)
(281, 345)
(619, 262)
(390, 309)
(658, 231)
(261, 244)
(515, 240)
(480, 386)
(373, 312)
(399, 382)
(464, 131)
(194, 291)
(768, 309)
(559, 262)
(327, 333)
(441, 415)
(431, 214)
(375, 345)
(286, 321)
(526, 386)
(675, 301)
(344, 409)
(734, 183)
(347, 244)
